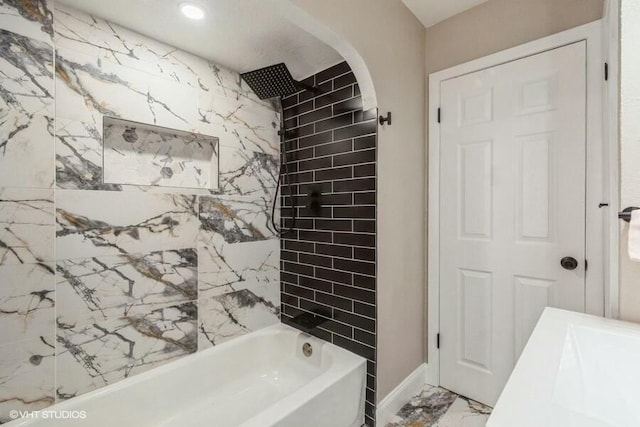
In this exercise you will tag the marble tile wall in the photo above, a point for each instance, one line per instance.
(100, 281)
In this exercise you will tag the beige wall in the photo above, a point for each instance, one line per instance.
(630, 151)
(500, 24)
(390, 40)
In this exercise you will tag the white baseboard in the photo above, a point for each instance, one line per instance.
(399, 396)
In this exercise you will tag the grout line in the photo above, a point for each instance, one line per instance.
(339, 321)
(338, 269)
(340, 154)
(332, 91)
(329, 130)
(55, 185)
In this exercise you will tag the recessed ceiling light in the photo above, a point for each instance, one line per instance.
(191, 11)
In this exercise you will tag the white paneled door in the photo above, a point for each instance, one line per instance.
(512, 211)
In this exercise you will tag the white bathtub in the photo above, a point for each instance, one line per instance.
(259, 380)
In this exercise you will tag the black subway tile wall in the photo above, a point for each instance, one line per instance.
(328, 261)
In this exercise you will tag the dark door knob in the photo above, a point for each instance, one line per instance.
(569, 263)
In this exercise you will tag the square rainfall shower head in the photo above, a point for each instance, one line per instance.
(273, 81)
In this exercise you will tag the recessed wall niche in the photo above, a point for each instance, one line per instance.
(142, 154)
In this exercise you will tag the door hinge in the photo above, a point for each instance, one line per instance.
(438, 341)
(586, 265)
(439, 116)
(606, 71)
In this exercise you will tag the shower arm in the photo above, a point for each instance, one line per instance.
(305, 86)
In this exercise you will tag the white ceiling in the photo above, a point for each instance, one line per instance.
(430, 12)
(242, 35)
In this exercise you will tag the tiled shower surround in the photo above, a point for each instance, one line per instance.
(329, 261)
(102, 281)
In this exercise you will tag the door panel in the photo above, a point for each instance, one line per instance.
(536, 184)
(474, 166)
(531, 297)
(476, 313)
(513, 152)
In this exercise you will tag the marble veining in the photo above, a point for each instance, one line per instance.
(235, 219)
(92, 355)
(94, 223)
(26, 225)
(248, 173)
(26, 73)
(79, 156)
(27, 218)
(227, 267)
(100, 288)
(248, 126)
(27, 376)
(438, 407)
(234, 314)
(239, 285)
(26, 139)
(465, 413)
(92, 89)
(238, 270)
(33, 18)
(141, 154)
(26, 110)
(27, 298)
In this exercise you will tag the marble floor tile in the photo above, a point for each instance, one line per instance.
(465, 413)
(437, 407)
(425, 409)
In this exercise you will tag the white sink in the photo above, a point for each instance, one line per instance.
(576, 371)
